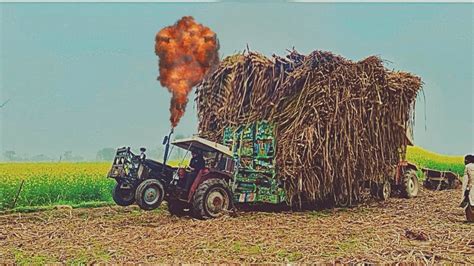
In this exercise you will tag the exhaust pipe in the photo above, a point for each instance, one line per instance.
(166, 142)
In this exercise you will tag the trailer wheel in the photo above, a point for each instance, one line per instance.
(211, 199)
(176, 207)
(385, 190)
(410, 184)
(149, 194)
(427, 184)
(342, 199)
(455, 183)
(343, 202)
(123, 196)
(374, 190)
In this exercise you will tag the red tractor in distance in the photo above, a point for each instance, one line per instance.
(404, 179)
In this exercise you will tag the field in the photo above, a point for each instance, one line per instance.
(428, 159)
(427, 229)
(54, 183)
(85, 184)
(48, 184)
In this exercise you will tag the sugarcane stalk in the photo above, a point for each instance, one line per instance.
(18, 193)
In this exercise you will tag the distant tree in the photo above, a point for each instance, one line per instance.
(155, 153)
(105, 154)
(10, 155)
(77, 158)
(40, 158)
(68, 156)
(178, 153)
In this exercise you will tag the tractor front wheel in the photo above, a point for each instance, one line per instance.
(410, 184)
(123, 196)
(149, 194)
(211, 199)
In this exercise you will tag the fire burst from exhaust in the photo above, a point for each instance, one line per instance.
(187, 51)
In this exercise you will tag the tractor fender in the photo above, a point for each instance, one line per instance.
(407, 165)
(401, 168)
(411, 166)
(204, 175)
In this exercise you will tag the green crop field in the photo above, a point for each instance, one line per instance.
(428, 159)
(85, 184)
(54, 183)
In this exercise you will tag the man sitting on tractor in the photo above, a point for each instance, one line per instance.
(197, 163)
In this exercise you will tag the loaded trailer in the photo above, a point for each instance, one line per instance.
(240, 170)
(440, 180)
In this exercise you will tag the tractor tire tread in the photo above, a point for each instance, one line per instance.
(120, 200)
(139, 194)
(197, 207)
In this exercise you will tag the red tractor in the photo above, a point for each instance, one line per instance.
(148, 183)
(403, 179)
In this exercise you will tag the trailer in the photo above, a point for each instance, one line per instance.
(440, 180)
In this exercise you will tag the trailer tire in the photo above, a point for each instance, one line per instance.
(427, 184)
(123, 196)
(410, 185)
(343, 201)
(385, 190)
(149, 194)
(211, 199)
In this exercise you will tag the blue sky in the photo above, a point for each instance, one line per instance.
(83, 76)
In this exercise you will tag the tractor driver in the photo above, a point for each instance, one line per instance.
(197, 163)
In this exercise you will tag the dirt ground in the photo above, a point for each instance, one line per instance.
(428, 229)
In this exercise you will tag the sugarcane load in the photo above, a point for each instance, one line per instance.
(339, 126)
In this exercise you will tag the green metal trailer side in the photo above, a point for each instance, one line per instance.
(254, 148)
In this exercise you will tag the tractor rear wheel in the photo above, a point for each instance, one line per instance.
(123, 196)
(176, 207)
(410, 184)
(211, 199)
(149, 194)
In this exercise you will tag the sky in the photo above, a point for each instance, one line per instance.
(81, 77)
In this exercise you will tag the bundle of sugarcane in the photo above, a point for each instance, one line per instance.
(339, 123)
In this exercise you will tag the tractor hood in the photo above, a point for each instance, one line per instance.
(202, 144)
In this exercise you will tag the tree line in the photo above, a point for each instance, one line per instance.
(104, 154)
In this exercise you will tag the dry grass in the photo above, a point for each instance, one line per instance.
(377, 232)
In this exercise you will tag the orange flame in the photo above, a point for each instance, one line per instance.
(187, 51)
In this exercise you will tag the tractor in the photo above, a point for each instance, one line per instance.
(241, 170)
(403, 178)
(148, 183)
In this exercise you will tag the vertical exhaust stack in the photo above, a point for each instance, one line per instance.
(166, 142)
